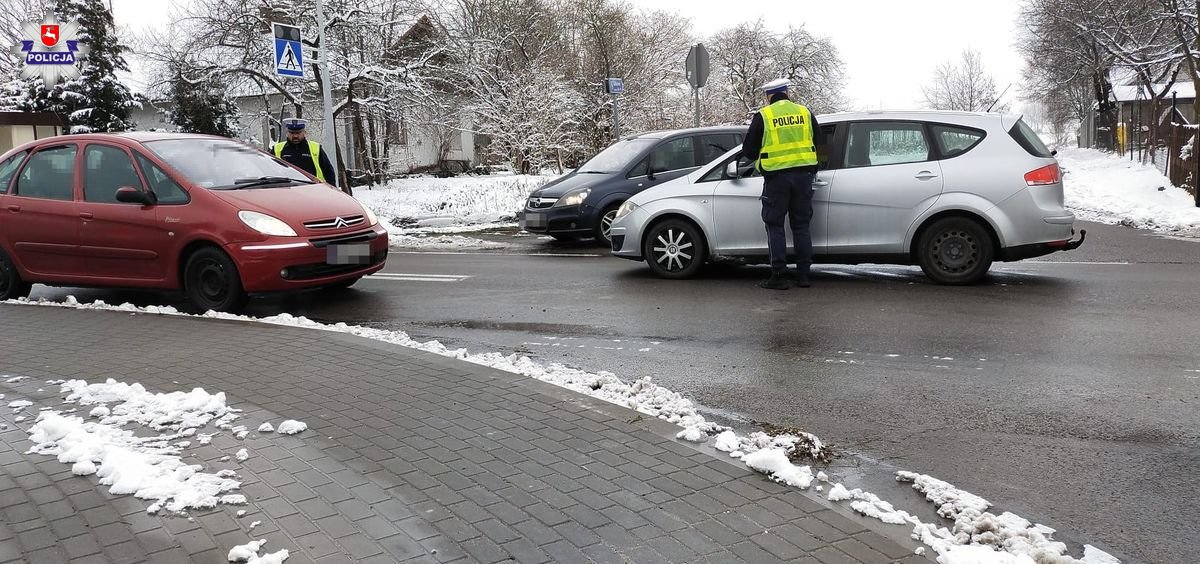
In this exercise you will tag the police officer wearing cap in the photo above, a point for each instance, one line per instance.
(297, 150)
(783, 139)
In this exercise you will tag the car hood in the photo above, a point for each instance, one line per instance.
(294, 203)
(558, 187)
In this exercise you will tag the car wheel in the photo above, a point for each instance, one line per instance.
(344, 284)
(211, 281)
(11, 285)
(955, 251)
(604, 226)
(674, 249)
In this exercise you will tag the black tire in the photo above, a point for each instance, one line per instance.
(955, 251)
(343, 285)
(11, 285)
(674, 249)
(604, 223)
(211, 282)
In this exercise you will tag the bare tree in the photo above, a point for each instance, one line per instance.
(965, 86)
(749, 55)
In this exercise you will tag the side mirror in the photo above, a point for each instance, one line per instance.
(731, 169)
(130, 195)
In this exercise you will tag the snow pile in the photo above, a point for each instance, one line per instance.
(266, 428)
(974, 526)
(242, 455)
(18, 405)
(174, 411)
(426, 201)
(440, 242)
(1106, 188)
(774, 463)
(870, 505)
(291, 427)
(249, 553)
(794, 443)
(146, 467)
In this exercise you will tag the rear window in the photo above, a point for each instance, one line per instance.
(1028, 139)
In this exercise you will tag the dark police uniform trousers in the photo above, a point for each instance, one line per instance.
(788, 192)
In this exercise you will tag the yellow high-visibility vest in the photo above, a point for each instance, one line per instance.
(787, 137)
(314, 151)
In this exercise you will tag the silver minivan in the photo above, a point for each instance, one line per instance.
(949, 191)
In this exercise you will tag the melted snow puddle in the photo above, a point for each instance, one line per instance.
(975, 536)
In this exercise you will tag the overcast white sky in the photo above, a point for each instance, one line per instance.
(890, 47)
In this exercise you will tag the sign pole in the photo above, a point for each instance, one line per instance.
(616, 118)
(696, 69)
(330, 128)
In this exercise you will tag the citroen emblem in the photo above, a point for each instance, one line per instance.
(340, 223)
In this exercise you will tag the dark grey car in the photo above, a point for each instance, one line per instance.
(584, 202)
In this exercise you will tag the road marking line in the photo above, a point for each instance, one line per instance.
(450, 276)
(416, 277)
(1098, 263)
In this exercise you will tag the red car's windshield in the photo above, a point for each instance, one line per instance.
(218, 164)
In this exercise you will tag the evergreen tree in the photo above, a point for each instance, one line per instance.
(96, 101)
(201, 105)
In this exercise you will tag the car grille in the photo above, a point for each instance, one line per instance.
(321, 270)
(361, 236)
(540, 203)
(334, 223)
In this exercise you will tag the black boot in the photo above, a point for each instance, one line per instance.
(777, 281)
(799, 278)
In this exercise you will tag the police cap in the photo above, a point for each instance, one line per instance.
(295, 124)
(777, 85)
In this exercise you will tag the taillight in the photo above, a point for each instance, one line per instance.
(1043, 176)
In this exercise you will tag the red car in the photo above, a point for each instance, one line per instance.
(210, 216)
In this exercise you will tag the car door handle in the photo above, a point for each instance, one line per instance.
(86, 215)
(14, 208)
(820, 183)
(925, 175)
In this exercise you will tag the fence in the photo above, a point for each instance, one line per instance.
(1183, 158)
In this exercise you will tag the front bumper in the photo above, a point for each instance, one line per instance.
(565, 220)
(297, 263)
(626, 238)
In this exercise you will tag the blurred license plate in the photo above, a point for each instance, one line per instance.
(349, 253)
(535, 220)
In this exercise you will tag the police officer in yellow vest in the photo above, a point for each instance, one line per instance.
(783, 138)
(301, 152)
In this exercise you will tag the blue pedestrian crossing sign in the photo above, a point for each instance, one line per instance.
(289, 57)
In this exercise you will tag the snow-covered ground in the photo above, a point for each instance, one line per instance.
(974, 535)
(421, 211)
(1106, 188)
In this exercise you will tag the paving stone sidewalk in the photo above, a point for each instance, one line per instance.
(409, 457)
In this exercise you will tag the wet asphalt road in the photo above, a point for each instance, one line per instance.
(1065, 390)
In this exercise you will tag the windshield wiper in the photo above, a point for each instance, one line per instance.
(262, 181)
(593, 172)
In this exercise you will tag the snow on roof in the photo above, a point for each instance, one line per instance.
(1132, 92)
